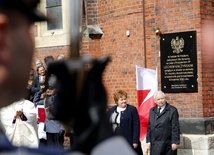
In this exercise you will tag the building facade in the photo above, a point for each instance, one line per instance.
(123, 30)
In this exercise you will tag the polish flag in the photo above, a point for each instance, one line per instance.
(147, 85)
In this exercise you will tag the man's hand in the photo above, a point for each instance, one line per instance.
(174, 147)
(148, 146)
(18, 113)
(42, 87)
(135, 145)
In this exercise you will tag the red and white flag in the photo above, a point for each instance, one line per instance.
(147, 85)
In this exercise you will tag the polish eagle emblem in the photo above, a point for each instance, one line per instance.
(177, 45)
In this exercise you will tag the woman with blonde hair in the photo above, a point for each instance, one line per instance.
(125, 120)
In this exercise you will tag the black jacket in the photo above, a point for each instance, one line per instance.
(163, 130)
(129, 124)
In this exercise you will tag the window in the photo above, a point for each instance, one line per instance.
(54, 10)
(57, 33)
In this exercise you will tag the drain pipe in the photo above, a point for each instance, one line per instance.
(144, 34)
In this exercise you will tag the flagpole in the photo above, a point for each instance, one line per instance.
(75, 17)
(76, 38)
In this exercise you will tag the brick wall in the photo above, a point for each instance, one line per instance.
(41, 53)
(177, 16)
(117, 16)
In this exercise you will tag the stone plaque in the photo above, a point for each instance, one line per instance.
(179, 62)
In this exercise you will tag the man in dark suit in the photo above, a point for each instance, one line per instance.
(163, 134)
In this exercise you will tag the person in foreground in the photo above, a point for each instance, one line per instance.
(163, 134)
(17, 18)
(20, 123)
(125, 120)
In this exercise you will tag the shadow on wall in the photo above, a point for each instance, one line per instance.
(185, 147)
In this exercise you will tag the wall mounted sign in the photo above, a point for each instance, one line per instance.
(179, 62)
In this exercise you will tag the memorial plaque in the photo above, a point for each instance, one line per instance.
(179, 62)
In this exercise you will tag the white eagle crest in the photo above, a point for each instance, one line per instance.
(177, 44)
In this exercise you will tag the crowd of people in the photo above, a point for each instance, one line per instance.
(50, 131)
(33, 124)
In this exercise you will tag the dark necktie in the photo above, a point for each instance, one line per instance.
(158, 113)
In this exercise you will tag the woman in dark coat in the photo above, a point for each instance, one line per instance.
(125, 121)
(163, 134)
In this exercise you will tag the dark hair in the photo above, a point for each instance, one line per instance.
(48, 59)
(37, 69)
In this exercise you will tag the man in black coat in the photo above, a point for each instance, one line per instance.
(163, 134)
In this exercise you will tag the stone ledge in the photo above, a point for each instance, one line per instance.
(196, 144)
(195, 152)
(93, 32)
(193, 145)
(197, 125)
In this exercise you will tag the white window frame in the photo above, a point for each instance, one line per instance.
(58, 37)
